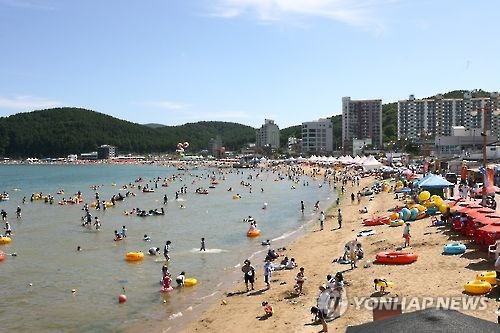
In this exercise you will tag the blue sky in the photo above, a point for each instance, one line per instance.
(173, 62)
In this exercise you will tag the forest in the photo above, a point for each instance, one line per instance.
(62, 131)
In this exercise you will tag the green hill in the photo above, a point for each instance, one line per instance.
(62, 131)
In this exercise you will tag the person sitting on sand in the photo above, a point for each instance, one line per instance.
(268, 309)
(272, 254)
(291, 264)
(382, 283)
(363, 211)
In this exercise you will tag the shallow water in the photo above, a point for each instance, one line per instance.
(37, 284)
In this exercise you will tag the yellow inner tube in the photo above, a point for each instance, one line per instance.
(253, 233)
(189, 282)
(134, 256)
(5, 240)
(490, 277)
(397, 223)
(477, 287)
(384, 284)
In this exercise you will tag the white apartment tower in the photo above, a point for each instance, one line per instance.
(317, 137)
(268, 135)
(436, 116)
(361, 119)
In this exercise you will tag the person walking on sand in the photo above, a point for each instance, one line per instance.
(339, 218)
(249, 273)
(406, 234)
(268, 269)
(321, 219)
(202, 247)
(299, 281)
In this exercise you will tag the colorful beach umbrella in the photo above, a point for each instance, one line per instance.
(491, 228)
(477, 213)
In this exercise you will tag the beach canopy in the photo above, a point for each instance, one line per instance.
(432, 181)
(428, 320)
(371, 163)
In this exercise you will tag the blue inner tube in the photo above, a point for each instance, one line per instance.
(454, 248)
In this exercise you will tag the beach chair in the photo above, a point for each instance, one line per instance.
(495, 248)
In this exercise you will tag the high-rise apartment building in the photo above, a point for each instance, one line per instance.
(317, 137)
(268, 135)
(436, 116)
(361, 119)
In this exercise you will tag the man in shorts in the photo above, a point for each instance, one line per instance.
(249, 273)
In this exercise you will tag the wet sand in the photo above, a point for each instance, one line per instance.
(433, 275)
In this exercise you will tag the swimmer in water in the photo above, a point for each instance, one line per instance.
(180, 279)
(154, 251)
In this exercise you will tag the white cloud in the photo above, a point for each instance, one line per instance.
(353, 12)
(27, 103)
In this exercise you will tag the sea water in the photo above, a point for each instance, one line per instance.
(50, 287)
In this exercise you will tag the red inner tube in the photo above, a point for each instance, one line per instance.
(396, 258)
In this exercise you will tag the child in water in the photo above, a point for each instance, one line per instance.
(202, 248)
(166, 281)
(180, 279)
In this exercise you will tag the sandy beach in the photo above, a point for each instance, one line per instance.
(433, 275)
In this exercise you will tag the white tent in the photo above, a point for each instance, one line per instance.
(362, 159)
(332, 159)
(371, 163)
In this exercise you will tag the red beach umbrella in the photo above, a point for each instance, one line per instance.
(488, 219)
(469, 208)
(479, 212)
(491, 228)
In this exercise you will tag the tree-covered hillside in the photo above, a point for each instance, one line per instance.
(63, 131)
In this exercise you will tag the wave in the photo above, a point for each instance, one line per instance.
(197, 250)
(287, 234)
